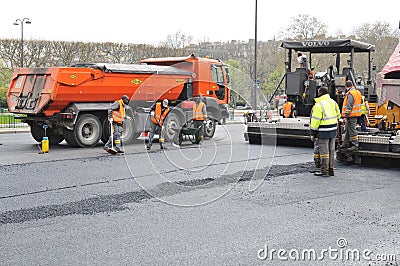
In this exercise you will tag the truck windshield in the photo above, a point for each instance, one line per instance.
(227, 74)
(216, 74)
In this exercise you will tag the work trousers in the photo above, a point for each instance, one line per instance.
(156, 129)
(351, 136)
(361, 120)
(117, 133)
(327, 154)
(317, 159)
(200, 126)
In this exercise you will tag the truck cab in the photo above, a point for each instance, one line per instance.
(210, 76)
(210, 80)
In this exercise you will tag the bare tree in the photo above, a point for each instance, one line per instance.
(64, 53)
(380, 34)
(304, 26)
(38, 53)
(178, 40)
(9, 52)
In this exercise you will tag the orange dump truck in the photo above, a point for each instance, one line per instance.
(73, 101)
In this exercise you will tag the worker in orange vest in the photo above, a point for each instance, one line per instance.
(289, 110)
(199, 116)
(158, 114)
(116, 116)
(351, 110)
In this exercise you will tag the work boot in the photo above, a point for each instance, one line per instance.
(343, 146)
(331, 172)
(352, 148)
(149, 146)
(316, 168)
(321, 174)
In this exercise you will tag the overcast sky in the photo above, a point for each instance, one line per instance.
(150, 21)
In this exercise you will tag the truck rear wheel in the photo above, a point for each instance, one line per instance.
(55, 139)
(209, 128)
(86, 133)
(37, 133)
(128, 133)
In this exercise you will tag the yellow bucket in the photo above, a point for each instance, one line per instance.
(45, 144)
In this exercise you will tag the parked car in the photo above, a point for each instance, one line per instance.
(246, 107)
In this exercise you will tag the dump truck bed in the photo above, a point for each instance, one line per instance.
(49, 90)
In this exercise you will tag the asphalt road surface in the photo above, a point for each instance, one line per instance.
(223, 202)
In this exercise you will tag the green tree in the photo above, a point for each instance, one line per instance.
(5, 77)
(3, 93)
(234, 85)
(273, 79)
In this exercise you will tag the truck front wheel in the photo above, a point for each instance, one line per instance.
(86, 133)
(172, 126)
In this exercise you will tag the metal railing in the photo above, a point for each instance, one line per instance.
(10, 120)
